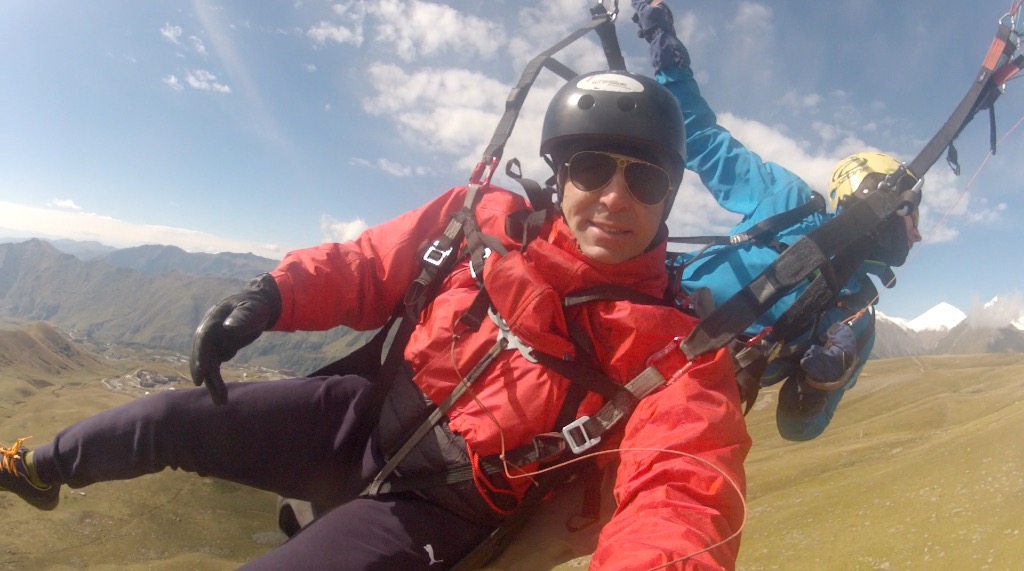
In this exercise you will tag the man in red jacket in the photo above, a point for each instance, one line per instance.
(499, 366)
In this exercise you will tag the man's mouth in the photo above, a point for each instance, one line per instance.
(614, 230)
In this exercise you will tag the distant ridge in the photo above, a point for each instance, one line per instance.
(37, 349)
(155, 260)
(107, 303)
(154, 296)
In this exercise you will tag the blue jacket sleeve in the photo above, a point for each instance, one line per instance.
(738, 179)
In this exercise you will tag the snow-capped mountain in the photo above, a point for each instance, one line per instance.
(942, 317)
(1001, 311)
(896, 337)
(993, 327)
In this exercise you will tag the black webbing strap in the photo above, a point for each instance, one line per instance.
(821, 294)
(587, 432)
(601, 21)
(968, 106)
(606, 31)
(810, 255)
(437, 262)
(755, 233)
(379, 484)
(610, 292)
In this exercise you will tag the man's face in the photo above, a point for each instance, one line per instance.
(610, 225)
(913, 234)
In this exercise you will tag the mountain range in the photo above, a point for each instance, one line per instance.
(154, 296)
(150, 296)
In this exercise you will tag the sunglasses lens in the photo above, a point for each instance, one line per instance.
(590, 171)
(648, 183)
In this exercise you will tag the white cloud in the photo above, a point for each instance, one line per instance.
(420, 29)
(64, 203)
(340, 231)
(197, 45)
(348, 31)
(171, 33)
(448, 110)
(326, 31)
(394, 168)
(203, 80)
(998, 312)
(801, 101)
(411, 29)
(173, 83)
(78, 225)
(777, 147)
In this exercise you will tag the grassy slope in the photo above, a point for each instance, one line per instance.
(920, 469)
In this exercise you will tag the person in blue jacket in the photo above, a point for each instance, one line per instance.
(824, 363)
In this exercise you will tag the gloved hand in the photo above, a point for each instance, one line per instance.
(227, 327)
(826, 365)
(658, 27)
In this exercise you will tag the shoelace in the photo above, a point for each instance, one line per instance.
(8, 457)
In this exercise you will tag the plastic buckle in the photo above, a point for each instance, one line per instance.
(472, 268)
(576, 436)
(436, 256)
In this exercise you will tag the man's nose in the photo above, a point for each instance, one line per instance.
(913, 234)
(616, 194)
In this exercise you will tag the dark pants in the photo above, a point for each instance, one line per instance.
(307, 439)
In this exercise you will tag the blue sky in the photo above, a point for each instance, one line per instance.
(238, 126)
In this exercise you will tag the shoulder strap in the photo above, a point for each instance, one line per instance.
(810, 257)
(761, 230)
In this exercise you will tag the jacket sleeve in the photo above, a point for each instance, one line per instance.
(680, 482)
(738, 179)
(359, 283)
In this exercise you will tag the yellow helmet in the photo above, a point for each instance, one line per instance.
(851, 174)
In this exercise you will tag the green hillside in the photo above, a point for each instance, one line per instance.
(919, 470)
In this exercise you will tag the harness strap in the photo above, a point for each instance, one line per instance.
(809, 256)
(970, 104)
(758, 232)
(822, 294)
(541, 198)
(609, 292)
(374, 488)
(516, 97)
(586, 432)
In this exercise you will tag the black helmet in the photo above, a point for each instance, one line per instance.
(617, 107)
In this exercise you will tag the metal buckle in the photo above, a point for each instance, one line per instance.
(436, 256)
(574, 428)
(512, 342)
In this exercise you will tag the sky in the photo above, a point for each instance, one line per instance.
(229, 125)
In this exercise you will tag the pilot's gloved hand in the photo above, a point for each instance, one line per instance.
(658, 27)
(228, 327)
(826, 365)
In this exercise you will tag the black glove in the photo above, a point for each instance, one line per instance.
(227, 327)
(658, 27)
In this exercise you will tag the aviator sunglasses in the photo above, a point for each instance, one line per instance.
(593, 170)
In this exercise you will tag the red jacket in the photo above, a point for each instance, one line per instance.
(358, 284)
